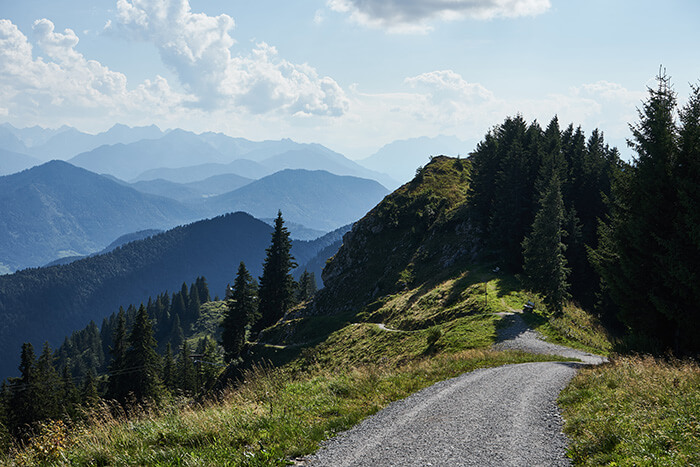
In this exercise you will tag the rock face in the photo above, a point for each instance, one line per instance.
(414, 235)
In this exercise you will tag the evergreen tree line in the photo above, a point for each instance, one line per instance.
(536, 198)
(88, 350)
(649, 249)
(143, 353)
(119, 361)
(578, 222)
(253, 306)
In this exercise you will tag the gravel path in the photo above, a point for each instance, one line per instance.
(504, 416)
(517, 336)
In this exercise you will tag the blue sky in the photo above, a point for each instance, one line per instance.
(350, 74)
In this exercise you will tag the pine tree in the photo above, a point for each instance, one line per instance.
(186, 373)
(630, 257)
(203, 289)
(89, 394)
(118, 375)
(681, 253)
(46, 383)
(193, 304)
(177, 336)
(276, 283)
(69, 393)
(169, 376)
(23, 409)
(240, 311)
(306, 287)
(142, 361)
(543, 249)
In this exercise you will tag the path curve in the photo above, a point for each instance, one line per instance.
(505, 416)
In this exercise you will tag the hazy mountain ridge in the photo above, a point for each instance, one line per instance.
(56, 209)
(317, 199)
(13, 162)
(48, 303)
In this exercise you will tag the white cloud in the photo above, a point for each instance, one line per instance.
(63, 84)
(417, 16)
(198, 48)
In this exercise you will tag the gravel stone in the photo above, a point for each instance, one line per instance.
(504, 416)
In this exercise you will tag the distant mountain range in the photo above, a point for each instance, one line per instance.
(316, 199)
(148, 153)
(193, 192)
(48, 303)
(56, 210)
(13, 162)
(183, 157)
(65, 142)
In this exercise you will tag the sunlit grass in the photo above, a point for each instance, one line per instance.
(634, 411)
(274, 416)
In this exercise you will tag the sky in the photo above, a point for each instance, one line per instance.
(350, 74)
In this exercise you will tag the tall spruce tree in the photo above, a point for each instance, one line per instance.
(630, 255)
(142, 361)
(118, 375)
(543, 249)
(682, 253)
(276, 283)
(307, 286)
(186, 373)
(240, 311)
(23, 407)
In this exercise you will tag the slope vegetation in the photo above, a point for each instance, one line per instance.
(48, 303)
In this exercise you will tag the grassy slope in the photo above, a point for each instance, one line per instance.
(278, 414)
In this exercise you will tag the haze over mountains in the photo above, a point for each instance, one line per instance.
(58, 210)
(401, 158)
(154, 179)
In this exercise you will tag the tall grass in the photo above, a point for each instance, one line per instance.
(275, 415)
(634, 411)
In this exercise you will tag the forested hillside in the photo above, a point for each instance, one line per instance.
(48, 303)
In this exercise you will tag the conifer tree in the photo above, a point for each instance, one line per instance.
(240, 311)
(46, 393)
(186, 373)
(169, 376)
(89, 394)
(543, 249)
(682, 253)
(193, 304)
(630, 255)
(142, 361)
(23, 409)
(177, 336)
(69, 393)
(118, 375)
(203, 289)
(306, 287)
(276, 283)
